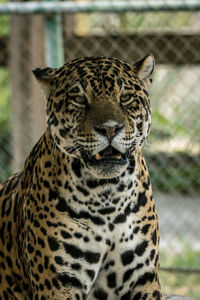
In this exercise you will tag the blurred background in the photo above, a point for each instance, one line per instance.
(172, 151)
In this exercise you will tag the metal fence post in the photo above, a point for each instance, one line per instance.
(54, 53)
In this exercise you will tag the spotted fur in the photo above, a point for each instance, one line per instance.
(79, 221)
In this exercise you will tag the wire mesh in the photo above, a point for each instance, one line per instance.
(173, 148)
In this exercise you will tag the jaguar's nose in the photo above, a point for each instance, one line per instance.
(109, 130)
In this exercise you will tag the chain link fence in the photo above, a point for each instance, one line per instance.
(173, 148)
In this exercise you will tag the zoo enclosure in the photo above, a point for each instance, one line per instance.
(48, 33)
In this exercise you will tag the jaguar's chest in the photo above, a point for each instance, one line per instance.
(124, 257)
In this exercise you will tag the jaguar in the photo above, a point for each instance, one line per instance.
(79, 222)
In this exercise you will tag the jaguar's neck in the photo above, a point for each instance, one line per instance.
(76, 187)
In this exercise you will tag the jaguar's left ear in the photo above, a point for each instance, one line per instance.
(45, 77)
(144, 67)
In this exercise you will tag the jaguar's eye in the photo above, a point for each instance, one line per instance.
(126, 97)
(76, 95)
(75, 90)
(79, 101)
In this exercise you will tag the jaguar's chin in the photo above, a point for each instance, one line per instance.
(106, 170)
(108, 163)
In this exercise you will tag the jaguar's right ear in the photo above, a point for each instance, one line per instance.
(45, 77)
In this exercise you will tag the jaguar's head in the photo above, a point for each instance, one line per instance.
(98, 110)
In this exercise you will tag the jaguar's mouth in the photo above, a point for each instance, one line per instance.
(107, 163)
(109, 155)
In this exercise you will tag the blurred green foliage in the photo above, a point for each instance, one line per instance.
(5, 129)
(5, 108)
(188, 258)
(180, 283)
(152, 22)
(174, 172)
(4, 20)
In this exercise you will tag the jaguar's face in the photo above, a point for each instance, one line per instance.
(98, 110)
